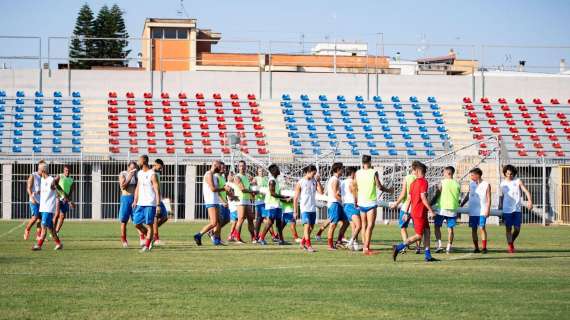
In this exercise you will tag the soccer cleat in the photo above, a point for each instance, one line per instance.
(36, 248)
(253, 241)
(439, 250)
(125, 244)
(240, 241)
(145, 249)
(58, 247)
(198, 239)
(418, 250)
(282, 243)
(331, 248)
(310, 249)
(157, 242)
(448, 251)
(484, 251)
(275, 239)
(262, 242)
(355, 246)
(142, 242)
(26, 234)
(217, 242)
(298, 240)
(395, 252)
(476, 250)
(431, 259)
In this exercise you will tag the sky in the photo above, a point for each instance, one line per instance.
(412, 27)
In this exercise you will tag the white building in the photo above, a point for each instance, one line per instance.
(340, 49)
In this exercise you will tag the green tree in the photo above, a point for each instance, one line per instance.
(110, 24)
(79, 46)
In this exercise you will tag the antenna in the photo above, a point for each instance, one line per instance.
(181, 12)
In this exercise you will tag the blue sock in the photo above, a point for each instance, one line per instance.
(428, 254)
(199, 235)
(400, 247)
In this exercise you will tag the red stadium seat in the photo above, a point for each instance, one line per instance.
(472, 114)
(134, 150)
(490, 114)
(206, 142)
(253, 104)
(239, 126)
(112, 94)
(262, 151)
(516, 137)
(561, 115)
(114, 141)
(560, 153)
(226, 150)
(557, 145)
(112, 102)
(554, 101)
(550, 130)
(203, 118)
(508, 115)
(219, 111)
(523, 108)
(113, 125)
(132, 110)
(220, 118)
(519, 101)
(476, 129)
(538, 145)
(255, 111)
(526, 115)
(251, 96)
(552, 137)
(164, 95)
(238, 119)
(131, 102)
(235, 103)
(483, 145)
(467, 100)
(113, 109)
(536, 101)
(244, 150)
(546, 122)
(495, 130)
(204, 126)
(113, 133)
(114, 149)
(147, 95)
(187, 133)
(222, 126)
(133, 141)
(259, 134)
(182, 95)
(183, 103)
(152, 150)
(185, 118)
(148, 110)
(257, 126)
(205, 134)
(505, 108)
(132, 117)
(563, 123)
(502, 100)
(189, 150)
(492, 122)
(149, 118)
(201, 103)
(222, 134)
(540, 108)
(166, 110)
(113, 117)
(188, 142)
(184, 110)
(218, 103)
(170, 150)
(534, 137)
(148, 103)
(167, 118)
(130, 95)
(202, 111)
(170, 141)
(236, 111)
(150, 126)
(150, 133)
(522, 153)
(541, 153)
(531, 130)
(260, 143)
(511, 122)
(199, 96)
(169, 133)
(528, 123)
(168, 126)
(217, 96)
(186, 126)
(165, 103)
(234, 96)
(543, 115)
(487, 107)
(519, 145)
(151, 142)
(133, 133)
(484, 100)
(513, 130)
(208, 150)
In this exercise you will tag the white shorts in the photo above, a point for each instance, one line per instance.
(447, 213)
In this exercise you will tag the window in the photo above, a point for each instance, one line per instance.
(182, 34)
(169, 33)
(156, 33)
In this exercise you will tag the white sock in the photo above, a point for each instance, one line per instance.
(439, 243)
(448, 246)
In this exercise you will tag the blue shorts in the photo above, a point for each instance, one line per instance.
(35, 210)
(477, 221)
(335, 213)
(259, 208)
(233, 216)
(512, 219)
(451, 221)
(144, 215)
(208, 206)
(63, 206)
(309, 218)
(225, 213)
(47, 219)
(288, 218)
(350, 210)
(404, 223)
(126, 208)
(163, 212)
(273, 214)
(366, 209)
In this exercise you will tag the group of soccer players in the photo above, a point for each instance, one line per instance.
(261, 201)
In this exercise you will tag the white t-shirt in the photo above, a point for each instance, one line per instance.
(512, 198)
(331, 196)
(232, 205)
(36, 186)
(48, 196)
(146, 196)
(209, 196)
(347, 196)
(307, 198)
(477, 197)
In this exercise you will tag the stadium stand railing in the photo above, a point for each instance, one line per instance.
(41, 125)
(526, 130)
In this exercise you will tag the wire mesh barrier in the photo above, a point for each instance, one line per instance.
(96, 189)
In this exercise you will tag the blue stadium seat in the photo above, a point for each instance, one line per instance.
(444, 136)
(402, 121)
(425, 136)
(344, 113)
(308, 112)
(19, 124)
(17, 149)
(76, 94)
(76, 110)
(374, 152)
(315, 143)
(313, 135)
(350, 135)
(418, 114)
(386, 128)
(420, 121)
(390, 144)
(326, 113)
(76, 149)
(325, 105)
(38, 109)
(295, 143)
(309, 120)
(383, 120)
(439, 121)
(404, 128)
(381, 113)
(2, 93)
(353, 144)
(423, 129)
(379, 106)
(292, 127)
(37, 140)
(36, 149)
(392, 152)
(19, 109)
(428, 144)
(57, 125)
(20, 101)
(416, 106)
(286, 97)
(348, 128)
(304, 97)
(17, 140)
(322, 97)
(297, 151)
(407, 136)
(369, 136)
(411, 152)
(39, 133)
(333, 144)
(20, 94)
(355, 152)
(57, 94)
(57, 102)
(346, 120)
(395, 99)
(38, 124)
(343, 105)
(306, 104)
(367, 128)
(286, 104)
(388, 136)
(400, 113)
(434, 106)
(332, 136)
(409, 144)
(290, 120)
(19, 116)
(311, 127)
(377, 99)
(362, 113)
(293, 135)
(361, 105)
(413, 99)
(39, 101)
(431, 99)
(57, 109)
(364, 120)
(1, 117)
(430, 153)
(18, 133)
(330, 127)
(289, 112)
(56, 141)
(436, 114)
(359, 98)
(328, 120)
(441, 129)
(340, 98)
(397, 106)
(371, 144)
(56, 149)
(38, 117)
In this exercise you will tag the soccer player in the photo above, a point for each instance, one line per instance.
(288, 218)
(335, 214)
(33, 186)
(48, 200)
(479, 198)
(273, 211)
(128, 184)
(404, 200)
(447, 199)
(162, 214)
(511, 203)
(224, 202)
(64, 202)
(211, 190)
(305, 201)
(245, 194)
(419, 209)
(261, 181)
(365, 183)
(233, 203)
(147, 198)
(353, 215)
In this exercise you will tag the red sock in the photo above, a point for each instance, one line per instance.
(303, 241)
(330, 241)
(147, 244)
(272, 233)
(124, 238)
(262, 236)
(40, 243)
(142, 237)
(308, 242)
(38, 232)
(295, 235)
(484, 244)
(156, 236)
(58, 242)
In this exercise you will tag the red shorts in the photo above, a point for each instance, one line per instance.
(420, 224)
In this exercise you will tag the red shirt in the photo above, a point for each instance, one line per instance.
(418, 187)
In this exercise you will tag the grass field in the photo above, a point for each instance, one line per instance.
(94, 278)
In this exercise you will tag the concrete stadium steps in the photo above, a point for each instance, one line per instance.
(277, 138)
(95, 132)
(455, 121)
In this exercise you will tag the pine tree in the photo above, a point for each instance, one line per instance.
(110, 24)
(121, 47)
(79, 47)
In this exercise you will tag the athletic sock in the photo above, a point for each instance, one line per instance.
(156, 236)
(448, 247)
(303, 241)
(427, 253)
(261, 237)
(40, 243)
(123, 238)
(484, 244)
(330, 242)
(400, 247)
(58, 242)
(273, 234)
(308, 242)
(142, 237)
(147, 243)
(439, 243)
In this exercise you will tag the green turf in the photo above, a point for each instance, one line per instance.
(94, 278)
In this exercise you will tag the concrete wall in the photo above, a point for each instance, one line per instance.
(449, 89)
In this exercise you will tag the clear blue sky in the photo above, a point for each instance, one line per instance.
(521, 22)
